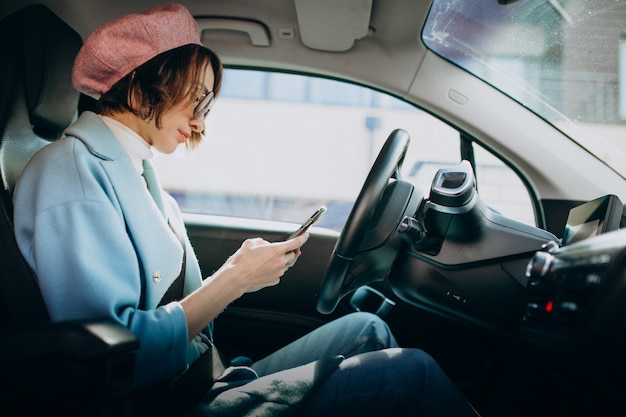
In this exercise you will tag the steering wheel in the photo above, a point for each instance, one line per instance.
(337, 282)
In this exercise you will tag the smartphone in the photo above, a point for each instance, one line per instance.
(305, 226)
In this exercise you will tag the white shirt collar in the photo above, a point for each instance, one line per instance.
(134, 145)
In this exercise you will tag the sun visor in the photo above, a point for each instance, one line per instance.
(331, 25)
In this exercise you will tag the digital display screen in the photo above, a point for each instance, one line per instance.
(579, 232)
(592, 219)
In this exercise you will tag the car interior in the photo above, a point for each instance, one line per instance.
(525, 314)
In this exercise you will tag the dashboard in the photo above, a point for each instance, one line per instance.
(469, 263)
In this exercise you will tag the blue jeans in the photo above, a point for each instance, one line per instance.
(377, 378)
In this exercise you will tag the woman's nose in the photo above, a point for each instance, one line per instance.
(197, 124)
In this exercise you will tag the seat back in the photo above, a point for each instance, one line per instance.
(62, 368)
(37, 103)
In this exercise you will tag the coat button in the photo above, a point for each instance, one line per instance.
(156, 277)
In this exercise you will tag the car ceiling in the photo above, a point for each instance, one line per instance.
(394, 31)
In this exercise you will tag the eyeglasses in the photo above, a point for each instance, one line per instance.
(203, 105)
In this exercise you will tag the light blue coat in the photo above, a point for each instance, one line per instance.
(101, 248)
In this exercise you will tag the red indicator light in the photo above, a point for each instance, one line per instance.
(549, 306)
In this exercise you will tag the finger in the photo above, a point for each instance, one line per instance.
(292, 244)
(292, 257)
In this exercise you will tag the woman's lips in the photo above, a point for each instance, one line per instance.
(184, 136)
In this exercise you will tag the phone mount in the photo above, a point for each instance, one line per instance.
(453, 193)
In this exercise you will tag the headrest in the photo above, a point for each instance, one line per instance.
(47, 47)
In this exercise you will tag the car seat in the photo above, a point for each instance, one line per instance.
(72, 367)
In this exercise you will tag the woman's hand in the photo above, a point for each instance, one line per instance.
(258, 263)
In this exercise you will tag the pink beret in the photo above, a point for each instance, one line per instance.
(117, 47)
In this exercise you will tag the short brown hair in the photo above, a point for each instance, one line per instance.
(165, 81)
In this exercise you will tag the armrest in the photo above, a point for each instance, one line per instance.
(69, 364)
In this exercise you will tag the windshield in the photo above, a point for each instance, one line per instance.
(563, 59)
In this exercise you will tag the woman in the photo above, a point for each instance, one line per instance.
(106, 241)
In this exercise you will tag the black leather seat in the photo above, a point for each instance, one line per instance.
(37, 103)
(72, 368)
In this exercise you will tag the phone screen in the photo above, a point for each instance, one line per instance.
(309, 222)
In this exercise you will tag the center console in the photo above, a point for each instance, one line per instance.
(574, 291)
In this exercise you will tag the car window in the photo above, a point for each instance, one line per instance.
(501, 188)
(279, 145)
